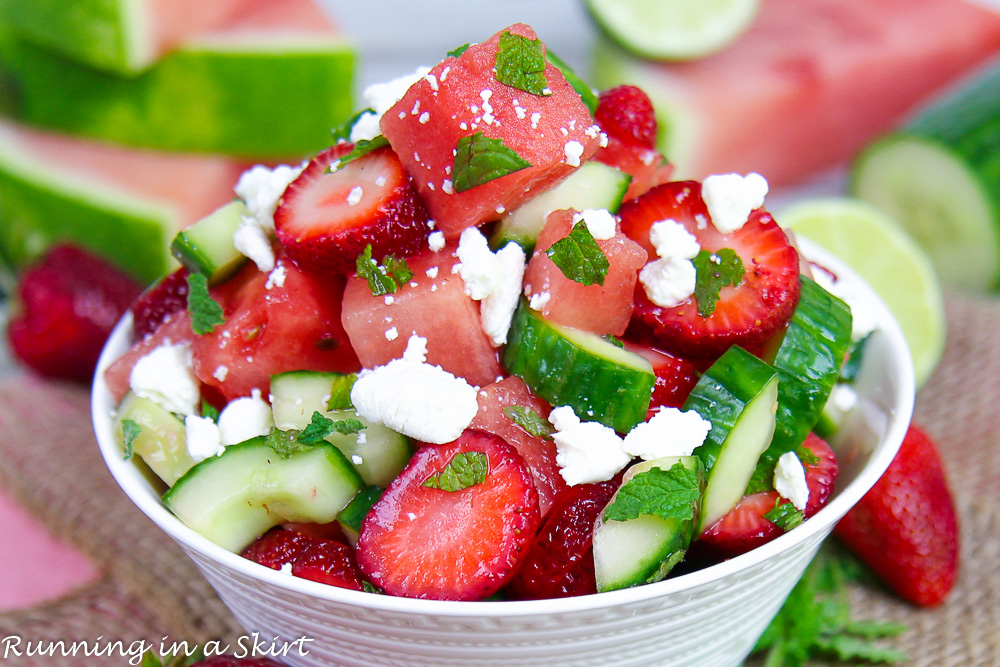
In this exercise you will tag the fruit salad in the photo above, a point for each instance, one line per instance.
(484, 346)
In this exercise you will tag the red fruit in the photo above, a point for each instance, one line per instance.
(906, 528)
(277, 547)
(158, 302)
(560, 560)
(745, 528)
(329, 562)
(230, 661)
(67, 305)
(626, 113)
(675, 377)
(746, 315)
(324, 220)
(424, 542)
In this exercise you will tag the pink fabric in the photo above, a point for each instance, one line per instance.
(36, 567)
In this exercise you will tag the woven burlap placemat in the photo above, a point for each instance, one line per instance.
(49, 461)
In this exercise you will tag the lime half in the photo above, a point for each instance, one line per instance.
(880, 251)
(673, 29)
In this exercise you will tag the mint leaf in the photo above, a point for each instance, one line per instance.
(371, 588)
(852, 364)
(668, 494)
(480, 159)
(464, 470)
(340, 392)
(614, 341)
(520, 63)
(317, 430)
(343, 133)
(385, 278)
(715, 271)
(529, 420)
(361, 149)
(579, 257)
(806, 456)
(348, 426)
(784, 515)
(853, 649)
(286, 443)
(130, 431)
(205, 312)
(209, 410)
(458, 51)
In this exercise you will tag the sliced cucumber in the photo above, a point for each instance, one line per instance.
(738, 394)
(296, 395)
(234, 498)
(350, 517)
(593, 185)
(377, 452)
(161, 442)
(939, 177)
(207, 245)
(564, 366)
(644, 549)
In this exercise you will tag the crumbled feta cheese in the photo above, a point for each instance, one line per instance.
(392, 333)
(535, 117)
(435, 240)
(356, 460)
(670, 432)
(277, 277)
(478, 263)
(432, 272)
(201, 438)
(286, 568)
(220, 372)
(424, 117)
(366, 127)
(586, 452)
(380, 98)
(165, 376)
(538, 300)
(417, 399)
(447, 187)
(260, 188)
(574, 151)
(671, 239)
(790, 480)
(601, 223)
(355, 195)
(494, 279)
(668, 282)
(252, 241)
(245, 418)
(730, 198)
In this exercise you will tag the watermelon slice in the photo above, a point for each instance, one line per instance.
(808, 85)
(268, 84)
(123, 36)
(122, 203)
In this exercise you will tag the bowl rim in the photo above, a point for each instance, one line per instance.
(135, 486)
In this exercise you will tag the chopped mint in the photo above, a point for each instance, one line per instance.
(385, 278)
(715, 270)
(520, 63)
(464, 470)
(321, 427)
(205, 312)
(815, 622)
(579, 257)
(458, 51)
(340, 392)
(614, 341)
(806, 456)
(762, 479)
(361, 149)
(130, 431)
(371, 588)
(480, 159)
(784, 515)
(668, 494)
(286, 443)
(529, 420)
(343, 133)
(209, 410)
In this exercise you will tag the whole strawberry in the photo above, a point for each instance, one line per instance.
(65, 308)
(905, 528)
(626, 113)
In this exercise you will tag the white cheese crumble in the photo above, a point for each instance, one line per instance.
(447, 187)
(165, 376)
(391, 333)
(380, 98)
(220, 372)
(355, 195)
(252, 241)
(586, 452)
(286, 568)
(245, 418)
(538, 300)
(671, 239)
(574, 151)
(277, 277)
(260, 188)
(493, 279)
(790, 480)
(670, 432)
(668, 282)
(201, 438)
(435, 240)
(601, 223)
(415, 398)
(730, 198)
(432, 272)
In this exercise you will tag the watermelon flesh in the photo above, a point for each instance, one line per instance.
(460, 97)
(808, 85)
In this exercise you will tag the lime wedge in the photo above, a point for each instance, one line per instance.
(673, 29)
(880, 251)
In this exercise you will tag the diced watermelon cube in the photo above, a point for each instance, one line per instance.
(432, 305)
(602, 309)
(461, 97)
(174, 331)
(538, 452)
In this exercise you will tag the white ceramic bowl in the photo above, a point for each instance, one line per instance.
(708, 617)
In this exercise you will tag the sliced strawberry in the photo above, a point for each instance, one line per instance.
(560, 560)
(748, 314)
(329, 562)
(626, 113)
(158, 302)
(324, 220)
(745, 528)
(66, 306)
(277, 547)
(906, 528)
(675, 377)
(432, 543)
